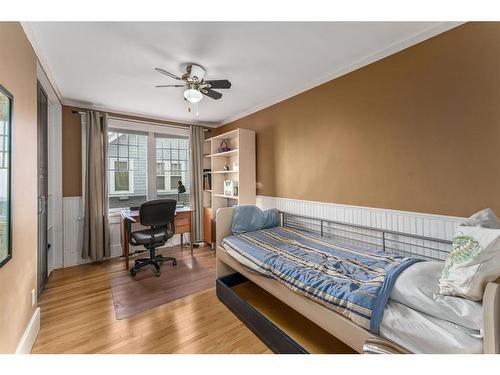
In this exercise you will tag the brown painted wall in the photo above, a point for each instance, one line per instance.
(72, 149)
(418, 131)
(18, 276)
(71, 153)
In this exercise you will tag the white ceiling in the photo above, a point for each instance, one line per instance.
(110, 64)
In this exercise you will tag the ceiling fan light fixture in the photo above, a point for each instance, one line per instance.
(193, 95)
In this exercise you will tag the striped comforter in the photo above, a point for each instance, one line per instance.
(353, 282)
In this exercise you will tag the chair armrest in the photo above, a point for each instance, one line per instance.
(128, 223)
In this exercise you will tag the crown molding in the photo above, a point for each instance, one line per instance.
(28, 31)
(94, 107)
(392, 49)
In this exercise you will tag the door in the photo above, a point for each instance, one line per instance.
(42, 137)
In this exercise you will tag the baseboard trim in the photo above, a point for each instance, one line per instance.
(30, 334)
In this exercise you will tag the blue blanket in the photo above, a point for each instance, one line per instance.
(354, 282)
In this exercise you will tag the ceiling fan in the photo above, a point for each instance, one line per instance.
(195, 84)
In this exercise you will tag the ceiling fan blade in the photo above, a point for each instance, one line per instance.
(219, 84)
(170, 86)
(168, 74)
(212, 94)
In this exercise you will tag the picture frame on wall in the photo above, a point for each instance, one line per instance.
(6, 110)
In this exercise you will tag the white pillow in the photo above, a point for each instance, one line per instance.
(417, 288)
(472, 263)
(485, 218)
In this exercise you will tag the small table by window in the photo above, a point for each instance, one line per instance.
(183, 224)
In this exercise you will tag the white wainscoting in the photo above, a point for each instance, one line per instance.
(429, 225)
(73, 232)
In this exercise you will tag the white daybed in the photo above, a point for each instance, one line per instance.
(336, 324)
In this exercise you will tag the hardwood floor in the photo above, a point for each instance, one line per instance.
(77, 316)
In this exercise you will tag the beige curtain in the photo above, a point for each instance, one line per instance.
(96, 224)
(196, 159)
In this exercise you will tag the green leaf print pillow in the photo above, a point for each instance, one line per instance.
(473, 261)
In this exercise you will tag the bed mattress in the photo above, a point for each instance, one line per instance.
(350, 281)
(424, 334)
(413, 317)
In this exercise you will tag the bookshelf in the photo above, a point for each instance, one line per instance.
(236, 164)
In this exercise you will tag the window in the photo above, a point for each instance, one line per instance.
(172, 158)
(127, 165)
(122, 176)
(175, 174)
(4, 148)
(160, 176)
(131, 182)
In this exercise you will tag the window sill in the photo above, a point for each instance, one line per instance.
(115, 212)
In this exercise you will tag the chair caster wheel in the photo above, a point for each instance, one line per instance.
(174, 263)
(133, 273)
(157, 274)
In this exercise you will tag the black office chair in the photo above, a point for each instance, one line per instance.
(159, 216)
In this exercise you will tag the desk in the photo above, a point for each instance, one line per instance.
(183, 224)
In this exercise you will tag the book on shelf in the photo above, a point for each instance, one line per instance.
(207, 179)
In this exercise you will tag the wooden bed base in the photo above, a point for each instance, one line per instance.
(336, 324)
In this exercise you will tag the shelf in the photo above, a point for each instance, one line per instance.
(229, 135)
(240, 152)
(225, 196)
(222, 172)
(226, 153)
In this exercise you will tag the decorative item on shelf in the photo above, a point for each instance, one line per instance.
(180, 190)
(236, 167)
(223, 147)
(226, 167)
(230, 188)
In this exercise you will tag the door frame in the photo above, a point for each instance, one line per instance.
(41, 283)
(55, 181)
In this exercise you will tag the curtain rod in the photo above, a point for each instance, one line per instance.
(142, 121)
